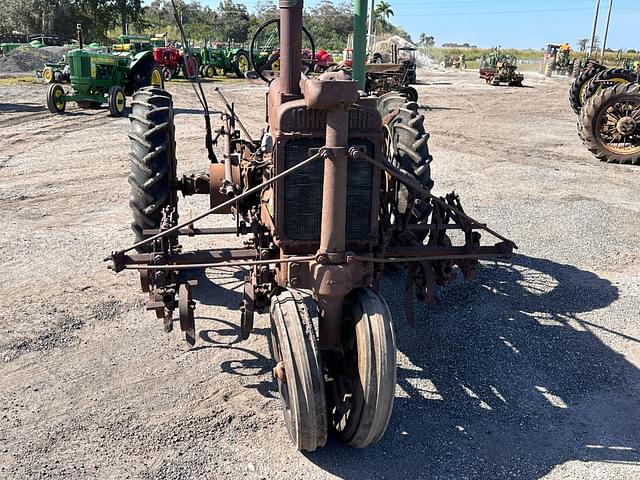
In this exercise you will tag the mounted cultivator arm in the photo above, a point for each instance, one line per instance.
(337, 188)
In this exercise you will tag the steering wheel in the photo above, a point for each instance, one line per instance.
(265, 54)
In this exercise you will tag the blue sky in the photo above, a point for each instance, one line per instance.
(510, 23)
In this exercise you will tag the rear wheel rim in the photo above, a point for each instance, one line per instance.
(243, 64)
(617, 126)
(156, 78)
(120, 101)
(58, 99)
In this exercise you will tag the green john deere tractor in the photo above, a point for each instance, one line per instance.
(99, 77)
(221, 59)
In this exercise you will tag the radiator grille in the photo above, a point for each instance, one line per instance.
(303, 193)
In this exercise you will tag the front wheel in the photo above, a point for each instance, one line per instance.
(117, 101)
(209, 71)
(56, 102)
(363, 386)
(167, 74)
(241, 64)
(299, 371)
(48, 75)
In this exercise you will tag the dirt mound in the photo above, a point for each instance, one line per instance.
(384, 47)
(29, 59)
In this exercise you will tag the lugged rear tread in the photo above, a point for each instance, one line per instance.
(411, 139)
(587, 126)
(152, 159)
(575, 92)
(608, 75)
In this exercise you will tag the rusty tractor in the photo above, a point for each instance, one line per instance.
(499, 68)
(337, 189)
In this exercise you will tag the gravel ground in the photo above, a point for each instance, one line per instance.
(529, 371)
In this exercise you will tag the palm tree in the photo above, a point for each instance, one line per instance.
(383, 10)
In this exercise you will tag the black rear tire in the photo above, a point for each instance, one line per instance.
(579, 85)
(408, 134)
(152, 158)
(409, 92)
(593, 118)
(609, 78)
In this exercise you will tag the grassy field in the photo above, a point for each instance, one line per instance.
(528, 57)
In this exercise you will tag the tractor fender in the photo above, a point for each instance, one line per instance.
(140, 56)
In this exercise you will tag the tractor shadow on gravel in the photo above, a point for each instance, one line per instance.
(503, 378)
(21, 108)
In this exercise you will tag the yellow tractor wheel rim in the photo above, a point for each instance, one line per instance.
(58, 100)
(156, 78)
(47, 74)
(243, 64)
(611, 82)
(219, 72)
(120, 101)
(276, 66)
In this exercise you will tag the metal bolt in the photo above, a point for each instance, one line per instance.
(279, 373)
(354, 152)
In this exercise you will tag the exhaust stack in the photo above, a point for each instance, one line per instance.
(290, 46)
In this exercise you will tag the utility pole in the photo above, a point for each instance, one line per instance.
(359, 41)
(595, 26)
(372, 24)
(606, 32)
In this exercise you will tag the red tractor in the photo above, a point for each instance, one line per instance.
(173, 61)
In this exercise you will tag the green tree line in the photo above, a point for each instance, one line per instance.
(329, 22)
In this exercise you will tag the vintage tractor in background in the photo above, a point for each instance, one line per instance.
(99, 77)
(221, 59)
(458, 62)
(337, 188)
(397, 76)
(557, 61)
(498, 68)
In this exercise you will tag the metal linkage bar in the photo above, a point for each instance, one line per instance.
(196, 231)
(415, 185)
(222, 264)
(229, 202)
(232, 112)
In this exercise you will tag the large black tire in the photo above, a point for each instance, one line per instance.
(579, 86)
(152, 158)
(575, 68)
(408, 134)
(594, 117)
(146, 73)
(241, 64)
(609, 78)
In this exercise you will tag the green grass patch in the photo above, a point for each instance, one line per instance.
(25, 79)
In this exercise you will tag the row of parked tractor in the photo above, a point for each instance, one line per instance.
(101, 75)
(607, 102)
